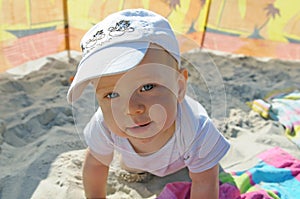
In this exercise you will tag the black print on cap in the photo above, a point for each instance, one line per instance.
(98, 40)
(120, 28)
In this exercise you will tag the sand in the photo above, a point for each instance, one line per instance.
(41, 146)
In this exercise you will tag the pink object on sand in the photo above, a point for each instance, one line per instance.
(181, 190)
(176, 190)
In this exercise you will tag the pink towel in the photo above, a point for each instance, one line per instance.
(181, 190)
(228, 191)
(176, 190)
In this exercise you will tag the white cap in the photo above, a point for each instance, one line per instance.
(119, 43)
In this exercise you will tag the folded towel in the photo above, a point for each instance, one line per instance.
(285, 108)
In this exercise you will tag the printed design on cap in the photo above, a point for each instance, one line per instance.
(120, 28)
(89, 45)
(114, 31)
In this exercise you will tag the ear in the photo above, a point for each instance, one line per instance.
(182, 84)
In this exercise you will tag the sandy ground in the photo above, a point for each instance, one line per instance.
(41, 146)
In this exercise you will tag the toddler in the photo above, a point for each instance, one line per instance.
(132, 59)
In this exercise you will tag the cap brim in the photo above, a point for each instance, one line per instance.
(110, 60)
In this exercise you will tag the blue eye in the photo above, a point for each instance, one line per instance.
(112, 95)
(147, 87)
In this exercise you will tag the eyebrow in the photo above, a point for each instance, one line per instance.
(106, 85)
(105, 88)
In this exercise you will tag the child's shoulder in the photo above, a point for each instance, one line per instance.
(192, 116)
(193, 107)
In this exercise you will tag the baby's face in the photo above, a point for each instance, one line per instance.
(142, 103)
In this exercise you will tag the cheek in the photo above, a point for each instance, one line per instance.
(109, 108)
(157, 112)
(171, 111)
(109, 117)
(113, 123)
(164, 107)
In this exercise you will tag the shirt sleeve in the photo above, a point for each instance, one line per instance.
(207, 148)
(97, 136)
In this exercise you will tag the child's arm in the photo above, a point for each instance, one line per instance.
(94, 176)
(205, 184)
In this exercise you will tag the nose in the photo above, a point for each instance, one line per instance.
(136, 105)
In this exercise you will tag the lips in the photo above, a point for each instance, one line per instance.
(139, 128)
(140, 125)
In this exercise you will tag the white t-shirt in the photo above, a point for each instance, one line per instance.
(196, 143)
